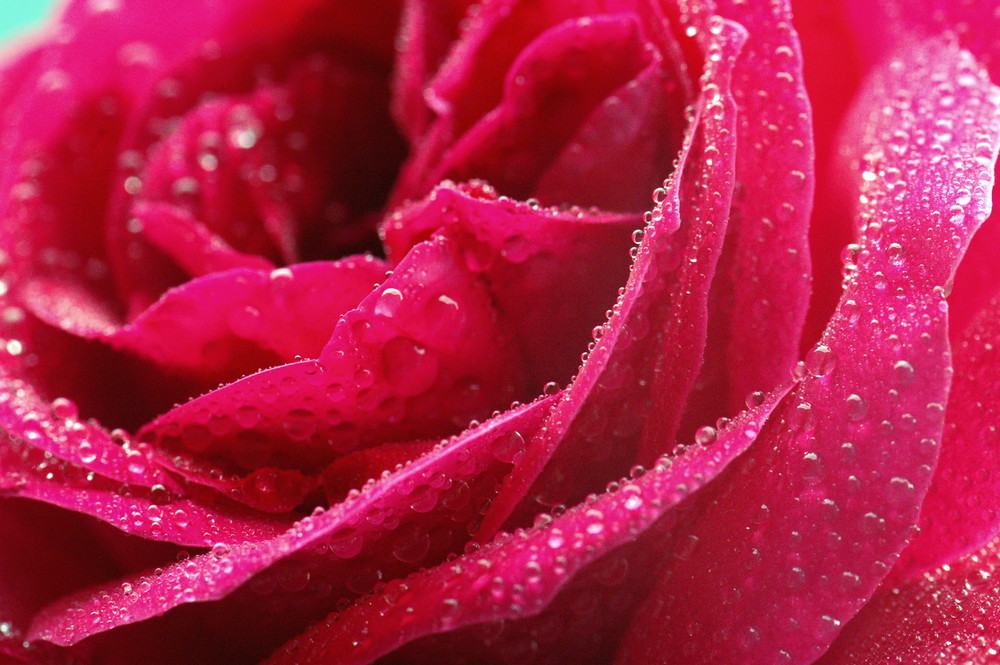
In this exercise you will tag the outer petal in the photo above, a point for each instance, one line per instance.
(959, 514)
(565, 567)
(539, 263)
(810, 521)
(49, 455)
(662, 315)
(412, 517)
(420, 357)
(760, 292)
(880, 27)
(949, 616)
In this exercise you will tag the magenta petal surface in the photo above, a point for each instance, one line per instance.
(959, 514)
(651, 348)
(470, 85)
(539, 263)
(761, 288)
(230, 323)
(948, 616)
(429, 27)
(394, 524)
(626, 144)
(519, 575)
(189, 243)
(48, 454)
(832, 495)
(550, 89)
(420, 357)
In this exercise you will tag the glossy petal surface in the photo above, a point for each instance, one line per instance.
(948, 616)
(832, 496)
(396, 523)
(661, 314)
(538, 262)
(520, 575)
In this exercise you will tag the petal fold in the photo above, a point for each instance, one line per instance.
(832, 495)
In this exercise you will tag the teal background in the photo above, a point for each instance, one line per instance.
(17, 16)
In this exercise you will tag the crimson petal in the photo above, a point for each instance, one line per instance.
(47, 454)
(959, 514)
(429, 28)
(394, 524)
(550, 89)
(947, 617)
(195, 249)
(519, 575)
(760, 291)
(661, 315)
(470, 82)
(419, 357)
(538, 262)
(223, 325)
(832, 497)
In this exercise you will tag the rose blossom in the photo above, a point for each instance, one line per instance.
(559, 422)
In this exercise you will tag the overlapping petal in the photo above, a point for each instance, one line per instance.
(538, 262)
(760, 290)
(411, 517)
(947, 617)
(566, 569)
(811, 520)
(636, 378)
(419, 358)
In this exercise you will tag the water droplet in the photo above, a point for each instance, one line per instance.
(389, 302)
(856, 407)
(706, 435)
(86, 452)
(64, 409)
(821, 360)
(904, 372)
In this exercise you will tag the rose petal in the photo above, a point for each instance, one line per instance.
(419, 358)
(947, 617)
(521, 575)
(99, 68)
(552, 87)
(429, 28)
(835, 494)
(48, 454)
(651, 348)
(832, 68)
(538, 262)
(287, 172)
(760, 291)
(471, 80)
(975, 26)
(625, 145)
(227, 324)
(959, 515)
(189, 243)
(393, 525)
(100, 84)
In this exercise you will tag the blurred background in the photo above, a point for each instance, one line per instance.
(17, 16)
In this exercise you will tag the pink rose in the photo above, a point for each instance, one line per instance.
(559, 421)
